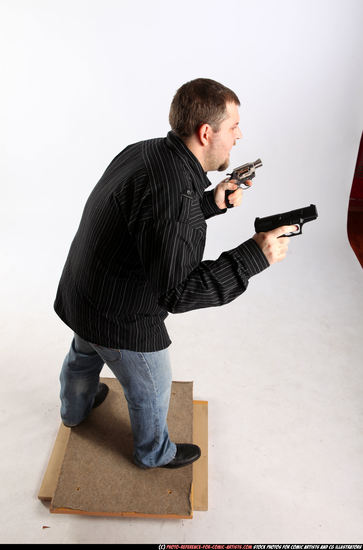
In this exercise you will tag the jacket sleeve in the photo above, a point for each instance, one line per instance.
(209, 207)
(170, 253)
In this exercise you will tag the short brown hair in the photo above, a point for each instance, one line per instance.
(200, 101)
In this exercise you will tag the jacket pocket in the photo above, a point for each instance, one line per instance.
(185, 208)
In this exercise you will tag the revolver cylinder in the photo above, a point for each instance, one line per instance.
(242, 174)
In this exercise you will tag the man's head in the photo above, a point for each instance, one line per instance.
(204, 113)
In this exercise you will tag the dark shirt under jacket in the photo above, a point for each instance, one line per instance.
(138, 251)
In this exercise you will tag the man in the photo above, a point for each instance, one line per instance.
(137, 255)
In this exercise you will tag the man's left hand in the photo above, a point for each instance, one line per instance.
(234, 198)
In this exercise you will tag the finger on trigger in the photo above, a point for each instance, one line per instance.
(285, 230)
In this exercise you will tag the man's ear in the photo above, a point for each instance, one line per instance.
(204, 134)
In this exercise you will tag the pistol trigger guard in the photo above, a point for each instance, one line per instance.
(293, 233)
(297, 232)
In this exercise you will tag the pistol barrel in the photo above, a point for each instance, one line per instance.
(294, 217)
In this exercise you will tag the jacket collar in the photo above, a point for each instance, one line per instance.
(190, 160)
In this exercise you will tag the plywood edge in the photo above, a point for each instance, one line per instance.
(118, 514)
(200, 467)
(52, 472)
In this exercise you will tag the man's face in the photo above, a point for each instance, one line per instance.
(223, 140)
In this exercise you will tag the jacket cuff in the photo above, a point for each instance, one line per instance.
(253, 259)
(209, 207)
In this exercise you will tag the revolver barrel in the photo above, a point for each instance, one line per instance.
(245, 170)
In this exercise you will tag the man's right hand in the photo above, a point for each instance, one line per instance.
(273, 248)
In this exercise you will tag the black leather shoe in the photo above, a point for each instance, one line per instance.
(100, 395)
(186, 453)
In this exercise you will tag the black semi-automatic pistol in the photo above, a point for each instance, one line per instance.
(293, 217)
(242, 174)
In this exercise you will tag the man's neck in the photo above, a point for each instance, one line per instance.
(196, 149)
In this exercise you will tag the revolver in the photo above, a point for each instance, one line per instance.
(294, 217)
(241, 174)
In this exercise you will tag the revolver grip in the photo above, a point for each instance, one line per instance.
(226, 195)
(239, 183)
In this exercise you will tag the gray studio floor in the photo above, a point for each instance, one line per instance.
(284, 388)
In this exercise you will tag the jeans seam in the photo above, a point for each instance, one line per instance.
(155, 416)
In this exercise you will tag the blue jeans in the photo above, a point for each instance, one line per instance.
(146, 381)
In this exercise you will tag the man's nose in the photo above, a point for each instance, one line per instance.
(239, 133)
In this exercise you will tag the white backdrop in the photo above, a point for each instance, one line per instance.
(81, 79)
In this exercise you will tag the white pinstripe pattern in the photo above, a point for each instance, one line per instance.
(137, 254)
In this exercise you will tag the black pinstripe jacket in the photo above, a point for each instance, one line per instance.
(138, 250)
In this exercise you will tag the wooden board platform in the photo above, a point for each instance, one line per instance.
(90, 470)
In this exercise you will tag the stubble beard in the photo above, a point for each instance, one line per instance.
(224, 166)
(215, 164)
